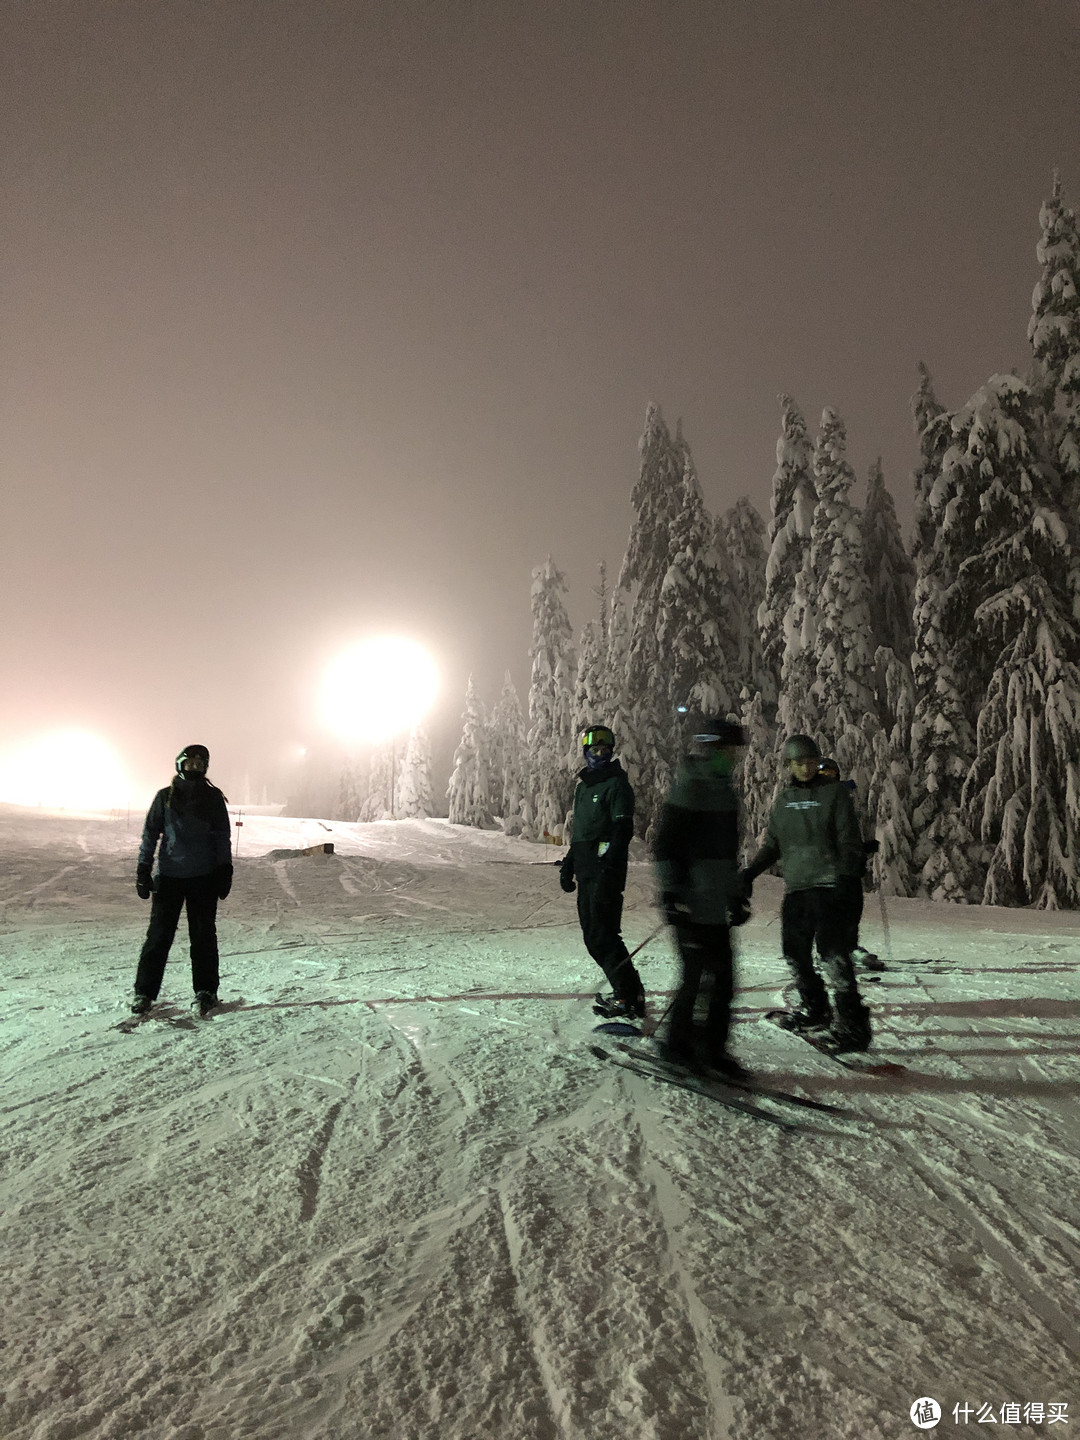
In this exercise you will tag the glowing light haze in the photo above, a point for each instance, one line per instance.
(66, 770)
(378, 688)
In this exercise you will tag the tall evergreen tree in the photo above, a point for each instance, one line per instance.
(889, 572)
(657, 499)
(760, 768)
(843, 686)
(508, 752)
(1023, 789)
(740, 539)
(414, 799)
(793, 502)
(693, 616)
(1054, 333)
(549, 784)
(469, 789)
(349, 798)
(942, 735)
(379, 800)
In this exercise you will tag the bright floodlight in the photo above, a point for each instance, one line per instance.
(68, 770)
(378, 688)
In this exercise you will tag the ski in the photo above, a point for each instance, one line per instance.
(853, 1060)
(750, 1086)
(688, 1081)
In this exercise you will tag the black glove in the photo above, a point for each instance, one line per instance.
(566, 874)
(223, 876)
(144, 885)
(738, 910)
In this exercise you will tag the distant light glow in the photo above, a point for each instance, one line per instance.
(378, 688)
(67, 770)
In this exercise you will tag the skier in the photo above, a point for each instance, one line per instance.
(603, 827)
(194, 869)
(697, 865)
(862, 957)
(814, 832)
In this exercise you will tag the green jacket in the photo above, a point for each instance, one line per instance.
(814, 834)
(603, 824)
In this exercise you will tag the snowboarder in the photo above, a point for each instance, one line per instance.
(697, 865)
(603, 827)
(814, 832)
(194, 869)
(862, 957)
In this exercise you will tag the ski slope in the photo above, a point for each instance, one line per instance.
(386, 1191)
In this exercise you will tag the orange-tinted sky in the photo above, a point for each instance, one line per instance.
(324, 318)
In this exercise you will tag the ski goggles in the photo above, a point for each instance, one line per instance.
(599, 735)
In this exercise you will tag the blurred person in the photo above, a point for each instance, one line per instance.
(595, 865)
(814, 833)
(190, 820)
(696, 853)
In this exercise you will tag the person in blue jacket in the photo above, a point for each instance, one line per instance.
(187, 826)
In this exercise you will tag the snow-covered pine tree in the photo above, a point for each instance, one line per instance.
(793, 501)
(549, 778)
(1054, 333)
(760, 768)
(843, 685)
(889, 572)
(942, 735)
(740, 538)
(508, 754)
(1022, 792)
(414, 799)
(469, 788)
(378, 803)
(798, 711)
(648, 738)
(349, 798)
(694, 623)
(889, 814)
(589, 692)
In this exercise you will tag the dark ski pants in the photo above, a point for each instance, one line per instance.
(820, 915)
(599, 908)
(199, 893)
(707, 965)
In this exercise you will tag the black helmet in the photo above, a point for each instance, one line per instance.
(829, 767)
(597, 735)
(715, 731)
(188, 753)
(800, 747)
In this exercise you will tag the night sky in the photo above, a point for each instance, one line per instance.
(323, 319)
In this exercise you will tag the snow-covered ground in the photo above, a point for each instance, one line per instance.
(387, 1192)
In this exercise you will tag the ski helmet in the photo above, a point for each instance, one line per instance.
(189, 752)
(829, 768)
(715, 731)
(597, 735)
(800, 747)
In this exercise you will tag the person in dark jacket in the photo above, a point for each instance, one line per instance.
(596, 863)
(814, 832)
(697, 865)
(190, 820)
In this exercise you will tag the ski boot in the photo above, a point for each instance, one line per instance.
(205, 1001)
(801, 1021)
(611, 1007)
(141, 1005)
